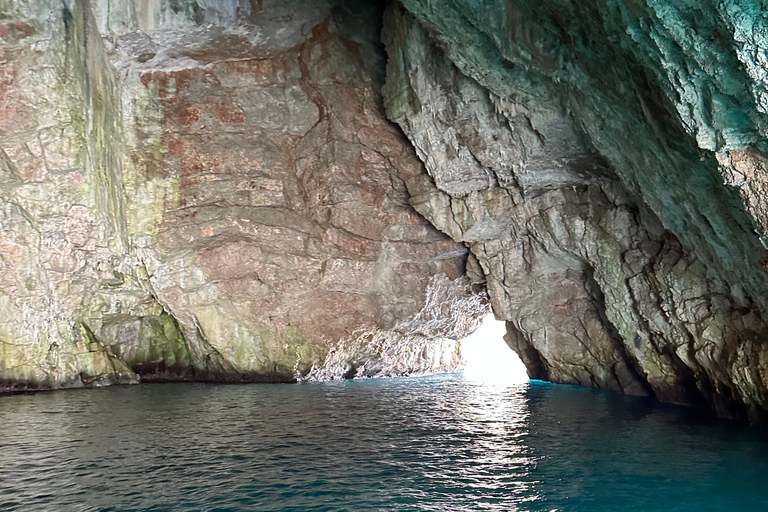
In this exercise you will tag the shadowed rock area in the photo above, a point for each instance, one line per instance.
(602, 161)
(211, 190)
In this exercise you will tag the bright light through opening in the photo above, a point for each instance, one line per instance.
(488, 358)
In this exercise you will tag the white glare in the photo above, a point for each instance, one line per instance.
(488, 358)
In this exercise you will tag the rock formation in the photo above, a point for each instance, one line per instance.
(211, 192)
(603, 162)
(200, 189)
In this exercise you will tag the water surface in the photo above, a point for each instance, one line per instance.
(443, 443)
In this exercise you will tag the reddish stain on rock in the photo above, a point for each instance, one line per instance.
(15, 113)
(224, 109)
(16, 30)
(268, 213)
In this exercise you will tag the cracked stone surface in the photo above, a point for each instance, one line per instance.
(606, 173)
(211, 191)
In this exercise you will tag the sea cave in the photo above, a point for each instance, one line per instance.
(497, 254)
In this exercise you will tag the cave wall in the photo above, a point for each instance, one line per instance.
(603, 162)
(211, 192)
(61, 204)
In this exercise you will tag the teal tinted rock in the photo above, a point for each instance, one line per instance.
(650, 85)
(633, 260)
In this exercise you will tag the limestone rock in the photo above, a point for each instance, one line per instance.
(204, 191)
(573, 150)
(210, 190)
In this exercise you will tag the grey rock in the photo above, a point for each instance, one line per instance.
(206, 191)
(608, 239)
(210, 190)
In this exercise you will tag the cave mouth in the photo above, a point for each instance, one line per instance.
(488, 358)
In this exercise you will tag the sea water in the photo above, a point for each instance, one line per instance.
(441, 443)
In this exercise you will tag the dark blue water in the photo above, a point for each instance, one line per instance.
(437, 443)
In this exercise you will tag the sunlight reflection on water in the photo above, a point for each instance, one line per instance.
(438, 443)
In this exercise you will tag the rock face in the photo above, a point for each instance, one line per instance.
(211, 191)
(603, 162)
(200, 189)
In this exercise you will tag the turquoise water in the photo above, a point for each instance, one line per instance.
(441, 443)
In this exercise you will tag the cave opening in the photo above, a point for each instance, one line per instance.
(488, 358)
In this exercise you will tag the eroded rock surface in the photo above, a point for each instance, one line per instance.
(210, 190)
(580, 151)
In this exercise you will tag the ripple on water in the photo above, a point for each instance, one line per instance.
(427, 444)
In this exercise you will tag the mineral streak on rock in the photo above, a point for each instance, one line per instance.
(209, 191)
